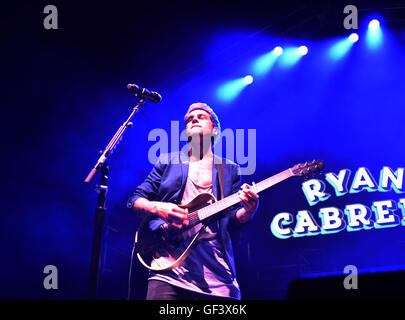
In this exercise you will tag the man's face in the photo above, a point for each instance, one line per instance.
(199, 123)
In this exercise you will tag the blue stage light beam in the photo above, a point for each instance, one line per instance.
(248, 79)
(374, 24)
(354, 37)
(292, 55)
(340, 48)
(374, 35)
(303, 50)
(278, 51)
(264, 63)
(231, 89)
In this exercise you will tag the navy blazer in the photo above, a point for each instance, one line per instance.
(167, 181)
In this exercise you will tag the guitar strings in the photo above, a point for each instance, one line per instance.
(213, 208)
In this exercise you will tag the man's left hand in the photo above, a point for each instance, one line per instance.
(248, 198)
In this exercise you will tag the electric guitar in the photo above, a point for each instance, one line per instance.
(156, 239)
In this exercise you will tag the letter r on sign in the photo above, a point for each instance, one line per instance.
(314, 191)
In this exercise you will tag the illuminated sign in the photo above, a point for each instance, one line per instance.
(353, 217)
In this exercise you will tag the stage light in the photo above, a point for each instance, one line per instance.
(374, 24)
(248, 79)
(231, 89)
(340, 48)
(374, 35)
(354, 37)
(291, 55)
(264, 63)
(278, 51)
(303, 50)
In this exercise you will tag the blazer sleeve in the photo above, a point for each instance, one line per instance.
(150, 186)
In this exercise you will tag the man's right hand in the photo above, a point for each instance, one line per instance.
(171, 213)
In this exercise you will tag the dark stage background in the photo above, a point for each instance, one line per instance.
(64, 95)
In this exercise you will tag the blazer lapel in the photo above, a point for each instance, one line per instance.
(214, 179)
(184, 161)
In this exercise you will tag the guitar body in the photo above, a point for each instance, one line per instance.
(161, 247)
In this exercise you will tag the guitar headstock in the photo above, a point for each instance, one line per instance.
(308, 168)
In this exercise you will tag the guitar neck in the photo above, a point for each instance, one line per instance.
(229, 201)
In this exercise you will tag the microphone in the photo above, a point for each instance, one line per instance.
(140, 92)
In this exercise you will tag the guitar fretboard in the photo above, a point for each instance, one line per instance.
(229, 201)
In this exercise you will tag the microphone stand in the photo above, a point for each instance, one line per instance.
(100, 211)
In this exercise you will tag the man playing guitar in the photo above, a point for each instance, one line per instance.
(208, 271)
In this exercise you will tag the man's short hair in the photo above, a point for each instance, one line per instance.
(208, 109)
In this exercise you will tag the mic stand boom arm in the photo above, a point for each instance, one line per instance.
(113, 143)
(100, 211)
